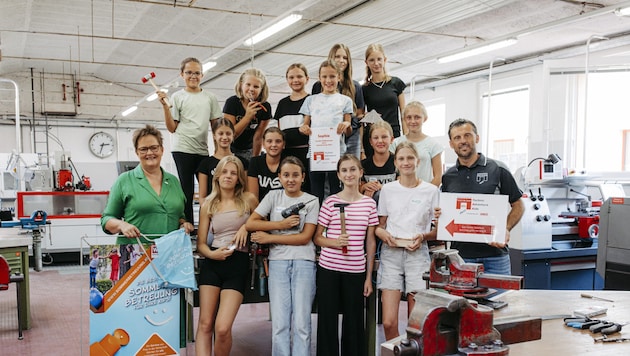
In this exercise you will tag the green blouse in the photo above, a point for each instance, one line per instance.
(133, 200)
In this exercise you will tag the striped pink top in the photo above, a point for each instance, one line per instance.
(359, 215)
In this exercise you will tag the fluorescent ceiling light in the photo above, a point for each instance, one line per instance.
(154, 96)
(624, 11)
(477, 50)
(273, 29)
(208, 65)
(129, 110)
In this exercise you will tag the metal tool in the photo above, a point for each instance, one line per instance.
(443, 324)
(584, 295)
(149, 78)
(253, 252)
(295, 209)
(448, 271)
(342, 217)
(33, 223)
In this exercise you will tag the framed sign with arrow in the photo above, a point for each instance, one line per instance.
(473, 217)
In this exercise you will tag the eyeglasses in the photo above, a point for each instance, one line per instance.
(154, 149)
(190, 74)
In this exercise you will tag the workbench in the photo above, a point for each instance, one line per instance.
(558, 339)
(14, 243)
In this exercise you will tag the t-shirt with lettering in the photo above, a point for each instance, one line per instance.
(267, 180)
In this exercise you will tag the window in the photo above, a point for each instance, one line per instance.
(436, 123)
(507, 126)
(597, 141)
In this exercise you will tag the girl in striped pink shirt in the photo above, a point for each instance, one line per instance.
(345, 263)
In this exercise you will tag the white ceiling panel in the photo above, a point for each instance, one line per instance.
(119, 41)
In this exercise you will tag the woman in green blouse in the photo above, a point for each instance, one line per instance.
(147, 199)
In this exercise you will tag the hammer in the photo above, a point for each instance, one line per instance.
(149, 78)
(342, 217)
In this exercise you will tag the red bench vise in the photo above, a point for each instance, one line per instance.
(450, 272)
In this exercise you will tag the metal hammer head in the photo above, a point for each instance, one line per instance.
(148, 77)
(341, 206)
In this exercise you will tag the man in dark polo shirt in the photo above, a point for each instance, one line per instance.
(475, 173)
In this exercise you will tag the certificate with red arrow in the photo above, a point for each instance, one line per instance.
(473, 217)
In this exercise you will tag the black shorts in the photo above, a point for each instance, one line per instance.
(228, 274)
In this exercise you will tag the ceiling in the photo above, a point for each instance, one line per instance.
(120, 41)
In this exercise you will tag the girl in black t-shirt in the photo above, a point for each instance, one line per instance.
(223, 136)
(378, 168)
(290, 119)
(262, 175)
(249, 112)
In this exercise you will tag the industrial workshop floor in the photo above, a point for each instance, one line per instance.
(60, 326)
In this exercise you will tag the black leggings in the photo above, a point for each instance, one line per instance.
(187, 164)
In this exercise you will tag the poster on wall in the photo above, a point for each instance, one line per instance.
(130, 312)
(473, 217)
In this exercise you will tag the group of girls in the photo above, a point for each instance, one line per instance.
(245, 194)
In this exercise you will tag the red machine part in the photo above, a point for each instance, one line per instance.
(450, 272)
(443, 324)
(64, 180)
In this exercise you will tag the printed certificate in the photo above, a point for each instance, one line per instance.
(324, 149)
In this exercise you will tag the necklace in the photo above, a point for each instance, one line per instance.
(379, 86)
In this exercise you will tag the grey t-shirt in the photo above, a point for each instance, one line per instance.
(271, 207)
(194, 112)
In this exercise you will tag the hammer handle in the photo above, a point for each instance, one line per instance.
(342, 216)
(158, 89)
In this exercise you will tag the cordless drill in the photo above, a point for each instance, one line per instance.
(294, 209)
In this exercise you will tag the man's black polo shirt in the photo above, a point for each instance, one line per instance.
(485, 176)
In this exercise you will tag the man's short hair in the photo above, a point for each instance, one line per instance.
(461, 122)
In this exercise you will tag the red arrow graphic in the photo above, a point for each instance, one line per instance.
(453, 228)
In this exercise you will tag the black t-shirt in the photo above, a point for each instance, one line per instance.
(290, 120)
(233, 106)
(385, 100)
(384, 174)
(485, 176)
(267, 180)
(208, 166)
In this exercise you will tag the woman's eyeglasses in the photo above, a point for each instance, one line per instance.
(154, 149)
(190, 74)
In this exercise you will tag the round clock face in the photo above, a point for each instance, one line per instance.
(102, 144)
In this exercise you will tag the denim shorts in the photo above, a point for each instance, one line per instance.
(402, 270)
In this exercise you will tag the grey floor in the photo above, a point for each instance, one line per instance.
(60, 322)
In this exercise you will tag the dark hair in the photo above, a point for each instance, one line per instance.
(348, 157)
(273, 129)
(292, 160)
(188, 60)
(222, 122)
(461, 122)
(148, 130)
(298, 66)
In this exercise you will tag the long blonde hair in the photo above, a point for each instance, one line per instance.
(239, 191)
(258, 74)
(374, 47)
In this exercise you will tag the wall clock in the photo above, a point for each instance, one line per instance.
(102, 144)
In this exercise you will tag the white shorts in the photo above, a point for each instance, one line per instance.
(402, 270)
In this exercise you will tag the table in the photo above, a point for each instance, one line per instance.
(558, 339)
(14, 243)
